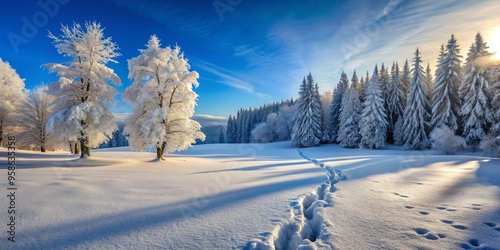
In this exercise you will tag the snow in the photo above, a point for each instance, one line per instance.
(238, 195)
(396, 199)
(210, 196)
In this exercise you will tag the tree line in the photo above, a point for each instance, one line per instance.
(456, 107)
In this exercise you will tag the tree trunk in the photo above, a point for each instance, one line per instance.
(82, 147)
(76, 151)
(159, 152)
(1, 132)
(42, 149)
(71, 147)
(87, 150)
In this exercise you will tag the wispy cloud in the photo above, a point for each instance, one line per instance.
(270, 55)
(227, 77)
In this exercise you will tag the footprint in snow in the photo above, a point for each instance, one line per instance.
(441, 208)
(450, 222)
(431, 237)
(490, 224)
(409, 207)
(447, 221)
(428, 235)
(451, 210)
(461, 227)
(494, 226)
(401, 195)
(472, 243)
(476, 206)
(424, 213)
(442, 236)
(421, 231)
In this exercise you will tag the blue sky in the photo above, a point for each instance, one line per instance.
(254, 52)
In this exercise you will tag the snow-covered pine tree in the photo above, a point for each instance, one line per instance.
(384, 81)
(364, 87)
(416, 115)
(11, 96)
(326, 105)
(338, 94)
(398, 134)
(245, 130)
(360, 86)
(230, 130)
(373, 124)
(476, 111)
(429, 83)
(34, 113)
(350, 116)
(83, 88)
(234, 131)
(162, 92)
(318, 108)
(239, 125)
(221, 135)
(494, 134)
(307, 120)
(406, 78)
(445, 93)
(394, 104)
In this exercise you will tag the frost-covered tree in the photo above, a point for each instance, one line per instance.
(373, 124)
(416, 115)
(318, 110)
(445, 93)
(83, 88)
(326, 105)
(384, 81)
(492, 142)
(307, 120)
(361, 87)
(231, 130)
(11, 96)
(285, 122)
(398, 134)
(476, 111)
(222, 136)
(406, 78)
(394, 102)
(444, 139)
(350, 116)
(34, 113)
(266, 131)
(338, 94)
(429, 83)
(364, 86)
(162, 92)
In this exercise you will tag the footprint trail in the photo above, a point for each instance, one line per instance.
(306, 224)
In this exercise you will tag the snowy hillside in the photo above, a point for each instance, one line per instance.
(241, 195)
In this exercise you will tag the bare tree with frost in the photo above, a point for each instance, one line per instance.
(11, 96)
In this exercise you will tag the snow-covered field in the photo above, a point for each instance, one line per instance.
(244, 195)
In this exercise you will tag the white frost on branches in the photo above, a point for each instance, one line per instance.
(162, 92)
